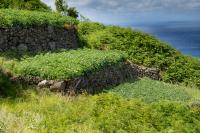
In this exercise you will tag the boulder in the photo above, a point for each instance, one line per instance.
(43, 84)
(58, 86)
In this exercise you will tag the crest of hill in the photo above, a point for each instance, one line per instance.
(23, 18)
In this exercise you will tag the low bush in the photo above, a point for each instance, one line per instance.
(23, 18)
(64, 65)
(101, 113)
(151, 91)
(143, 49)
(8, 88)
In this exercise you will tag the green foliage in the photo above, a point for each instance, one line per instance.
(72, 12)
(15, 18)
(151, 91)
(45, 112)
(86, 28)
(184, 69)
(61, 6)
(142, 49)
(65, 64)
(8, 88)
(24, 4)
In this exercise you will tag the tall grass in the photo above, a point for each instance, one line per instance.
(45, 112)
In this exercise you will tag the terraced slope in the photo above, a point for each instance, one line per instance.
(62, 65)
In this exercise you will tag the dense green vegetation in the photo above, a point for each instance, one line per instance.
(151, 91)
(8, 88)
(142, 49)
(137, 106)
(63, 8)
(16, 18)
(46, 112)
(63, 65)
(24, 4)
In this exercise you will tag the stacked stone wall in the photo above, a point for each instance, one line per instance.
(36, 39)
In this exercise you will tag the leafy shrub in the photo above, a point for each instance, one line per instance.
(66, 64)
(102, 113)
(8, 88)
(143, 49)
(15, 18)
(184, 69)
(151, 91)
(85, 28)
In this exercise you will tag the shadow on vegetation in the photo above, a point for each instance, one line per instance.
(9, 88)
(12, 54)
(107, 89)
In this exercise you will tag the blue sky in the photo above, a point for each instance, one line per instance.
(126, 12)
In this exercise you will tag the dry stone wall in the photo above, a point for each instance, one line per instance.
(37, 39)
(95, 81)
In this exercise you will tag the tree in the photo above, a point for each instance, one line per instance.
(72, 12)
(62, 8)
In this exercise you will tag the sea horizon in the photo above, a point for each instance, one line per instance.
(182, 35)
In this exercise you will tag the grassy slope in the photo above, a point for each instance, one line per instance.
(142, 49)
(106, 112)
(63, 65)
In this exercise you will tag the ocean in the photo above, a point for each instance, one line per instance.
(182, 35)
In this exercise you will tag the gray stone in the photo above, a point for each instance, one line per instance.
(52, 45)
(58, 86)
(22, 47)
(43, 84)
(37, 39)
(50, 29)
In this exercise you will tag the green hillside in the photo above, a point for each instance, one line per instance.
(142, 105)
(143, 49)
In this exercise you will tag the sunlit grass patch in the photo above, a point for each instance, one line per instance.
(151, 91)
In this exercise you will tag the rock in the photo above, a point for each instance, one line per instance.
(52, 46)
(58, 86)
(195, 105)
(22, 48)
(43, 84)
(50, 29)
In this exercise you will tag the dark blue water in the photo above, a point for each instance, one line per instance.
(184, 36)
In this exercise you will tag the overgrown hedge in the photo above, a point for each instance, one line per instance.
(23, 18)
(142, 49)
